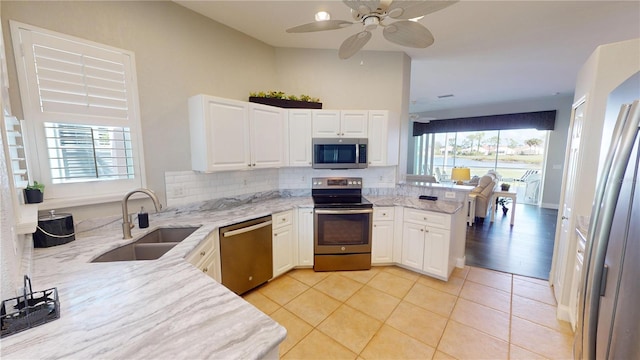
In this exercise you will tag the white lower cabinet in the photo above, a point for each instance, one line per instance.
(382, 236)
(426, 242)
(305, 237)
(206, 256)
(284, 243)
(413, 245)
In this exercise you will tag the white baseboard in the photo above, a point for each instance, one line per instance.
(563, 313)
(550, 206)
(461, 261)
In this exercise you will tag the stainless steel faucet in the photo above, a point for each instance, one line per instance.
(127, 224)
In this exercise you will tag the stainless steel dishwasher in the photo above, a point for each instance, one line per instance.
(246, 254)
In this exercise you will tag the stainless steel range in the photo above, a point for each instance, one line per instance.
(342, 224)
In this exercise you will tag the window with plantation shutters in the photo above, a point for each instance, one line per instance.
(80, 100)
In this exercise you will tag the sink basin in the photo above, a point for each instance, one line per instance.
(150, 246)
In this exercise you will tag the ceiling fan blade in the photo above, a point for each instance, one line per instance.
(353, 44)
(400, 9)
(320, 26)
(408, 33)
(362, 6)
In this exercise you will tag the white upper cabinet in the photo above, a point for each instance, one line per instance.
(219, 133)
(231, 135)
(336, 123)
(269, 135)
(354, 123)
(300, 137)
(378, 123)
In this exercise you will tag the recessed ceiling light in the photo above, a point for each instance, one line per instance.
(322, 16)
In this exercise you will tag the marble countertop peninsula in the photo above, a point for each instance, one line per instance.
(448, 207)
(164, 308)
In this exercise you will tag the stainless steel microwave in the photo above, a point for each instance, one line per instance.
(339, 153)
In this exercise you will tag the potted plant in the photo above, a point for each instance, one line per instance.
(34, 194)
(503, 201)
(505, 186)
(280, 99)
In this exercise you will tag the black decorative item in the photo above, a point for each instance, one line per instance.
(34, 194)
(30, 310)
(286, 103)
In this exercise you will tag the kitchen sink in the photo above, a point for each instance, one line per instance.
(150, 246)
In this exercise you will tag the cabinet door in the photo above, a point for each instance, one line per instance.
(382, 242)
(326, 123)
(413, 245)
(300, 137)
(283, 250)
(354, 123)
(219, 133)
(305, 237)
(268, 132)
(211, 266)
(377, 150)
(436, 252)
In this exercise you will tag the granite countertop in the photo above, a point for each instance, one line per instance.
(163, 308)
(448, 207)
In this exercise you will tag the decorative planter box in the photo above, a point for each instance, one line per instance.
(33, 196)
(285, 103)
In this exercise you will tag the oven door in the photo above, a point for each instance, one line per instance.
(342, 231)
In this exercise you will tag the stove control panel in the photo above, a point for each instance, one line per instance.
(336, 183)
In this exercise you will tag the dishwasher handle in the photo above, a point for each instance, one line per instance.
(246, 229)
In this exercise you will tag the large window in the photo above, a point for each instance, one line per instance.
(517, 155)
(81, 104)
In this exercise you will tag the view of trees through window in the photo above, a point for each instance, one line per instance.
(517, 155)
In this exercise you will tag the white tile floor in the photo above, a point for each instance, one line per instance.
(393, 313)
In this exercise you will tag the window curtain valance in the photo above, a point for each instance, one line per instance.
(540, 120)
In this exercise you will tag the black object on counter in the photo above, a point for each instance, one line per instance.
(54, 229)
(427, 197)
(31, 309)
(143, 219)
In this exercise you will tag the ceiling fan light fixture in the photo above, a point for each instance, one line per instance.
(416, 19)
(371, 22)
(322, 16)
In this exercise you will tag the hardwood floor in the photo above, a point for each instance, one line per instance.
(526, 248)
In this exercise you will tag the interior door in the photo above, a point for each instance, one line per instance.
(566, 234)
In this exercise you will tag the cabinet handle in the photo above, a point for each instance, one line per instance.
(422, 230)
(203, 253)
(283, 219)
(275, 234)
(205, 270)
(424, 218)
(374, 225)
(384, 214)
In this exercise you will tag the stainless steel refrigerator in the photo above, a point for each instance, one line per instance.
(609, 302)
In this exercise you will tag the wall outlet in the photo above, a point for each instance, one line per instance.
(450, 195)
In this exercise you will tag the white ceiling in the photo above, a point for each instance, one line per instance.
(484, 52)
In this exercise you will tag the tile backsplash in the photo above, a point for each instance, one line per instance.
(186, 187)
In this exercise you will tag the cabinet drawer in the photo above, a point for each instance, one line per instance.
(202, 251)
(282, 219)
(383, 213)
(428, 218)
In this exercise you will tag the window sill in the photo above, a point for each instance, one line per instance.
(27, 219)
(52, 204)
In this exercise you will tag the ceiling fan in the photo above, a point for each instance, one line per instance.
(372, 13)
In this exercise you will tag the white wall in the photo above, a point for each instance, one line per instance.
(557, 138)
(609, 66)
(178, 54)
